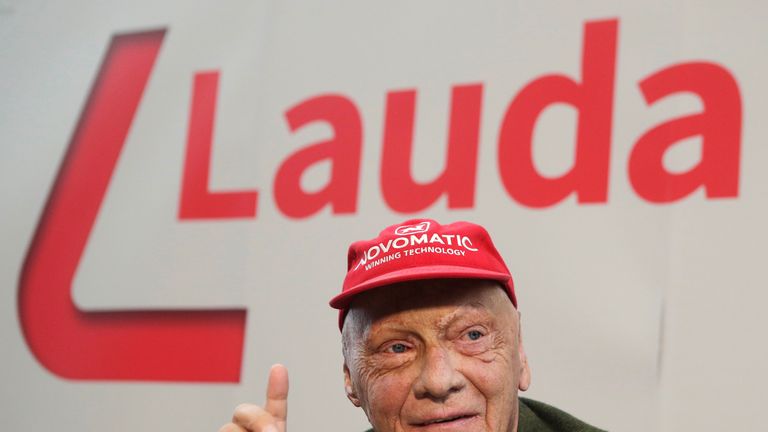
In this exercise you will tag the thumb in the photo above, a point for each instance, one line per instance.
(277, 393)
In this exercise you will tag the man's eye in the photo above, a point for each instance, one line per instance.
(398, 348)
(474, 334)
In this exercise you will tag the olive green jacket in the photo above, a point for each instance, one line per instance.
(539, 417)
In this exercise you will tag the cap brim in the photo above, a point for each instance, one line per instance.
(342, 300)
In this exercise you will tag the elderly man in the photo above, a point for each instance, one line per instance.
(430, 336)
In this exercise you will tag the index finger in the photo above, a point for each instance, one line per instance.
(277, 392)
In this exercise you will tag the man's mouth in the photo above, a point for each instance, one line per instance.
(450, 419)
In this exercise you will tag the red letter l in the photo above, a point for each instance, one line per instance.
(201, 345)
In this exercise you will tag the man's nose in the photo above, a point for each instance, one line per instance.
(439, 377)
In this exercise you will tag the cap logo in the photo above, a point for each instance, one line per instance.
(412, 229)
(413, 241)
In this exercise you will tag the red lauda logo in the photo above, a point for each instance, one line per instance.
(412, 229)
(206, 345)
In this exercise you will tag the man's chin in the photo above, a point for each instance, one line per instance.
(471, 423)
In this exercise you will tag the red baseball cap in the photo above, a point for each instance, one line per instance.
(421, 249)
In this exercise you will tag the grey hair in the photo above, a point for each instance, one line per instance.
(350, 334)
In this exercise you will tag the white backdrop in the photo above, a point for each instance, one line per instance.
(637, 315)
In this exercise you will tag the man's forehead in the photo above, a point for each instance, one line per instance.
(415, 297)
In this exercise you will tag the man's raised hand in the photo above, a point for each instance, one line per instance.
(270, 418)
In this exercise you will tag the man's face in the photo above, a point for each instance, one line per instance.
(435, 356)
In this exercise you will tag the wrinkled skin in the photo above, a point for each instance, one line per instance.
(435, 356)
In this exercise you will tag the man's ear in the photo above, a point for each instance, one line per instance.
(349, 388)
(524, 379)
